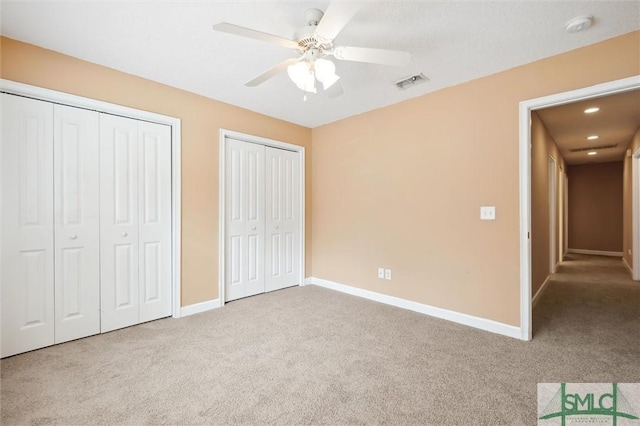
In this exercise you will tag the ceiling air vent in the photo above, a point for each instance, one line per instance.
(593, 148)
(411, 81)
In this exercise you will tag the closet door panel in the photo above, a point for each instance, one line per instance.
(282, 257)
(254, 226)
(244, 245)
(77, 227)
(27, 225)
(118, 222)
(154, 175)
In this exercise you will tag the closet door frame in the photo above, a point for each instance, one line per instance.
(224, 134)
(39, 93)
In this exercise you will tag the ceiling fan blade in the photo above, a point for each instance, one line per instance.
(396, 58)
(257, 35)
(336, 17)
(335, 90)
(272, 72)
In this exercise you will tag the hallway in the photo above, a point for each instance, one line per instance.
(590, 301)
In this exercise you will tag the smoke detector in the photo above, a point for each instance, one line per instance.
(411, 81)
(578, 24)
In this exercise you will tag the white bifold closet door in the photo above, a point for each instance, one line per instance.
(135, 221)
(77, 223)
(27, 225)
(282, 254)
(262, 237)
(244, 205)
(50, 258)
(86, 223)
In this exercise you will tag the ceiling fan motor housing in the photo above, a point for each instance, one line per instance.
(313, 16)
(306, 36)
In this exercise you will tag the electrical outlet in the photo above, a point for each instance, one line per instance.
(629, 252)
(381, 273)
(387, 274)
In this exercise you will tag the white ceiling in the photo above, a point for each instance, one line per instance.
(615, 124)
(173, 43)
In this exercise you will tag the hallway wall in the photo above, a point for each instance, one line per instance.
(542, 147)
(595, 206)
(627, 197)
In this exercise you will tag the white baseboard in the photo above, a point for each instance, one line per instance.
(196, 308)
(541, 290)
(629, 268)
(460, 318)
(596, 252)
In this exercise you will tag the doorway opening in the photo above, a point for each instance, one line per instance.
(526, 109)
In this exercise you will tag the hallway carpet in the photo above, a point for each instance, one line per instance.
(308, 355)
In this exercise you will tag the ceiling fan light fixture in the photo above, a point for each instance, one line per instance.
(308, 83)
(301, 74)
(325, 71)
(329, 81)
(315, 41)
(305, 73)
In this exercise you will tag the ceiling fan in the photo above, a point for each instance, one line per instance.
(313, 44)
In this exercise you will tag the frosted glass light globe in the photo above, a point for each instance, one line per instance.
(301, 74)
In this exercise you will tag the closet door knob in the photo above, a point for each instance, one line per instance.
(253, 228)
(277, 227)
(124, 234)
(73, 237)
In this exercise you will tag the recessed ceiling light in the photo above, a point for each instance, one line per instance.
(591, 110)
(591, 153)
(592, 137)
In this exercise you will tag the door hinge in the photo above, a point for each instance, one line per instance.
(528, 235)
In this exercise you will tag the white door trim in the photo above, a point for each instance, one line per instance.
(553, 213)
(224, 134)
(609, 88)
(565, 223)
(20, 89)
(635, 216)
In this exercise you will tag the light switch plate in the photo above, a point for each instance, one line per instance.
(488, 213)
(381, 273)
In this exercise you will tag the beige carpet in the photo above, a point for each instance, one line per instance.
(308, 355)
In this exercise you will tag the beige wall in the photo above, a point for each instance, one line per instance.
(201, 118)
(595, 206)
(400, 187)
(542, 148)
(627, 221)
